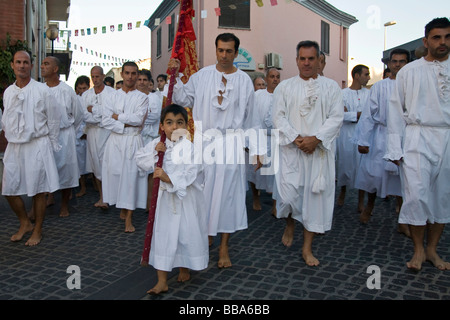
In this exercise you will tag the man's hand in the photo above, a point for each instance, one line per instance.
(115, 116)
(363, 149)
(159, 173)
(397, 162)
(307, 144)
(174, 64)
(89, 109)
(259, 164)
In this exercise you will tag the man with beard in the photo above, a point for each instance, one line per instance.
(418, 141)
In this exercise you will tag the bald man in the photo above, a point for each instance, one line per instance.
(94, 101)
(71, 117)
(31, 124)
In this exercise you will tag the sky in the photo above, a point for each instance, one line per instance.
(366, 37)
(127, 44)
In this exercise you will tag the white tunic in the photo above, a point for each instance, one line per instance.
(31, 123)
(418, 132)
(347, 155)
(180, 232)
(71, 117)
(374, 173)
(81, 145)
(264, 178)
(122, 183)
(305, 183)
(225, 182)
(96, 133)
(150, 131)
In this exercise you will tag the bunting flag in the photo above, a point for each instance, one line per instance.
(184, 50)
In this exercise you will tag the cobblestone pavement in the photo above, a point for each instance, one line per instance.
(263, 269)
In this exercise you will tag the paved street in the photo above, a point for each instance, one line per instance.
(263, 269)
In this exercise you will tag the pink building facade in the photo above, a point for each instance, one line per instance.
(268, 34)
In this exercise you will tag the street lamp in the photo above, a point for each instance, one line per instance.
(52, 33)
(387, 24)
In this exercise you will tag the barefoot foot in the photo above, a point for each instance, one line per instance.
(158, 289)
(310, 260)
(364, 217)
(404, 228)
(437, 261)
(415, 263)
(224, 258)
(184, 275)
(34, 240)
(288, 236)
(24, 228)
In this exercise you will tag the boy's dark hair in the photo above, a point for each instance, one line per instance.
(440, 23)
(146, 73)
(400, 51)
(81, 80)
(162, 75)
(109, 80)
(358, 70)
(308, 44)
(227, 37)
(175, 109)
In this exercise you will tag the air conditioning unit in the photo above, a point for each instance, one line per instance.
(274, 60)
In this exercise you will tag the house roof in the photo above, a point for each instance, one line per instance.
(329, 12)
(320, 7)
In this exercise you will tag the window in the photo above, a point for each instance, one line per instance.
(158, 42)
(234, 14)
(325, 37)
(343, 45)
(172, 32)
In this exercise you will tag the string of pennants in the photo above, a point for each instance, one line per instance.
(101, 56)
(88, 31)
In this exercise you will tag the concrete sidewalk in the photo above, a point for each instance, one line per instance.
(263, 269)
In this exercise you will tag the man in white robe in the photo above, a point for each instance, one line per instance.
(31, 124)
(347, 156)
(308, 112)
(418, 140)
(375, 175)
(123, 184)
(264, 179)
(222, 100)
(71, 117)
(150, 130)
(82, 84)
(94, 101)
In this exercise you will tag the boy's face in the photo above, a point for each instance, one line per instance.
(171, 123)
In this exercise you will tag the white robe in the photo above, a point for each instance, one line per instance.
(418, 132)
(374, 173)
(71, 117)
(180, 232)
(347, 155)
(264, 178)
(31, 123)
(305, 183)
(122, 183)
(81, 145)
(97, 135)
(225, 182)
(150, 131)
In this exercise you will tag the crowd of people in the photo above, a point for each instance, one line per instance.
(387, 141)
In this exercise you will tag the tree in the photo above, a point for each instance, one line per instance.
(7, 51)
